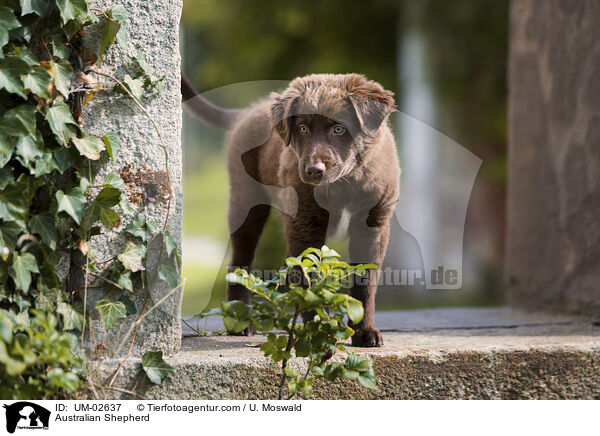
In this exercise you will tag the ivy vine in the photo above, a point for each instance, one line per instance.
(50, 203)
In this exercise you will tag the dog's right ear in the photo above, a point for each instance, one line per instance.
(282, 117)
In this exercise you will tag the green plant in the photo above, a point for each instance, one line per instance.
(277, 309)
(50, 204)
(36, 358)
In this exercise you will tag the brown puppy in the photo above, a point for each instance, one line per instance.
(320, 150)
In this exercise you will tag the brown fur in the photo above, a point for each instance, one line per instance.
(361, 175)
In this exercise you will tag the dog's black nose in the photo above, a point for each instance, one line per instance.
(315, 171)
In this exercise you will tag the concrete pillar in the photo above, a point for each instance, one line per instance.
(553, 247)
(153, 28)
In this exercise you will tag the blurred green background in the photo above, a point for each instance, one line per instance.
(464, 45)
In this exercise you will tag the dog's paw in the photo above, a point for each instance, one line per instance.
(367, 337)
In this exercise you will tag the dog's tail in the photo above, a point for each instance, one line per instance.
(206, 111)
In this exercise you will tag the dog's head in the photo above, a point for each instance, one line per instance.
(330, 120)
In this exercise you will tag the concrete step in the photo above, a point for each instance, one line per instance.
(475, 353)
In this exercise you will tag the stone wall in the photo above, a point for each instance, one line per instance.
(553, 247)
(153, 28)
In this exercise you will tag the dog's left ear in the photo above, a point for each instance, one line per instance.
(282, 116)
(372, 103)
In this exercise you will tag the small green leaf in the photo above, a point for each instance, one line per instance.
(30, 147)
(59, 379)
(90, 146)
(9, 234)
(44, 224)
(137, 227)
(118, 12)
(72, 320)
(108, 197)
(71, 203)
(235, 325)
(8, 21)
(131, 257)
(113, 144)
(11, 70)
(22, 268)
(155, 367)
(168, 273)
(111, 312)
(19, 121)
(59, 47)
(38, 82)
(109, 218)
(60, 120)
(108, 38)
(71, 9)
(62, 72)
(169, 242)
(125, 281)
(355, 309)
(35, 6)
(114, 180)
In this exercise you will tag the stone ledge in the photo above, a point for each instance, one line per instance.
(446, 354)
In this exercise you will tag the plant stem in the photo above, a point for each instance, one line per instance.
(288, 348)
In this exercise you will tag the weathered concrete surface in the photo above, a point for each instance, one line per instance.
(553, 245)
(153, 29)
(523, 356)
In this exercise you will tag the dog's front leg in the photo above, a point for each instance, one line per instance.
(367, 245)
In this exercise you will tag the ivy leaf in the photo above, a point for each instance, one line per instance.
(125, 281)
(21, 269)
(135, 86)
(9, 234)
(71, 203)
(71, 9)
(155, 367)
(108, 197)
(111, 312)
(90, 146)
(6, 176)
(59, 48)
(110, 32)
(30, 147)
(60, 120)
(6, 149)
(8, 21)
(114, 180)
(62, 72)
(119, 13)
(38, 82)
(109, 218)
(13, 203)
(19, 121)
(168, 273)
(131, 257)
(169, 242)
(37, 6)
(355, 309)
(11, 70)
(137, 227)
(72, 320)
(44, 224)
(113, 144)
(45, 165)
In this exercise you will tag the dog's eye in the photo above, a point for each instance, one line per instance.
(338, 129)
(303, 129)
